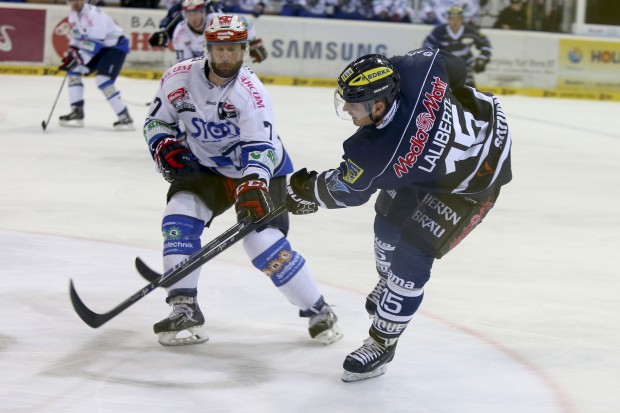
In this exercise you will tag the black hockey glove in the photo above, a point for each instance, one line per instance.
(71, 60)
(158, 39)
(252, 199)
(258, 53)
(480, 65)
(299, 199)
(173, 159)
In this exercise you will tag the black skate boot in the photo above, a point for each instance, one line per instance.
(372, 300)
(323, 323)
(75, 119)
(185, 318)
(124, 122)
(370, 360)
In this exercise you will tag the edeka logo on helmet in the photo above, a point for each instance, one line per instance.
(376, 74)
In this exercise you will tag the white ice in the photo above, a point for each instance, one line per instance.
(522, 317)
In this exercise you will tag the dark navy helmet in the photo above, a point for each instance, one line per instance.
(366, 80)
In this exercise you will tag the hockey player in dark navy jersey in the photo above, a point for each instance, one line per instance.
(459, 39)
(438, 151)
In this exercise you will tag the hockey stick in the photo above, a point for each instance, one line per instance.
(45, 124)
(206, 253)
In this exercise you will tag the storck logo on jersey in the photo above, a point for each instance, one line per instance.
(424, 122)
(256, 95)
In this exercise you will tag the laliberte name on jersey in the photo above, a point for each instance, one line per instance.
(441, 138)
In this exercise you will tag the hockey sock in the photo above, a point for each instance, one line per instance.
(397, 305)
(181, 239)
(286, 268)
(76, 90)
(113, 95)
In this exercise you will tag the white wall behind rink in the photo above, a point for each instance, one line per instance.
(321, 48)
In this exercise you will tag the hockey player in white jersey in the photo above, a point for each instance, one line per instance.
(233, 156)
(188, 35)
(97, 45)
(188, 38)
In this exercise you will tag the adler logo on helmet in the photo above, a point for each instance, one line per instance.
(225, 20)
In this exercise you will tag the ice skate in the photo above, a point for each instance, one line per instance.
(124, 122)
(183, 326)
(372, 300)
(75, 119)
(323, 324)
(368, 361)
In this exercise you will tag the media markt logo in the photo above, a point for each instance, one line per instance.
(6, 45)
(575, 55)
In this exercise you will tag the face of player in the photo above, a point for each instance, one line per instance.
(358, 113)
(455, 22)
(196, 19)
(76, 5)
(226, 59)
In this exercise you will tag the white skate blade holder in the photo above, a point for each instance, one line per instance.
(329, 336)
(193, 335)
(350, 377)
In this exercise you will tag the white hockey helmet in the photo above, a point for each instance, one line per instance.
(193, 5)
(226, 28)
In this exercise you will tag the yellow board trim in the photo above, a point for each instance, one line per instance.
(331, 83)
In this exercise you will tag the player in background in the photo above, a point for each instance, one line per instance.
(189, 37)
(97, 45)
(459, 39)
(436, 11)
(168, 23)
(437, 151)
(233, 156)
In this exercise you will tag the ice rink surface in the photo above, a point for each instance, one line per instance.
(522, 317)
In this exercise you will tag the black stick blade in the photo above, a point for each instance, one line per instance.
(146, 272)
(43, 125)
(86, 314)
